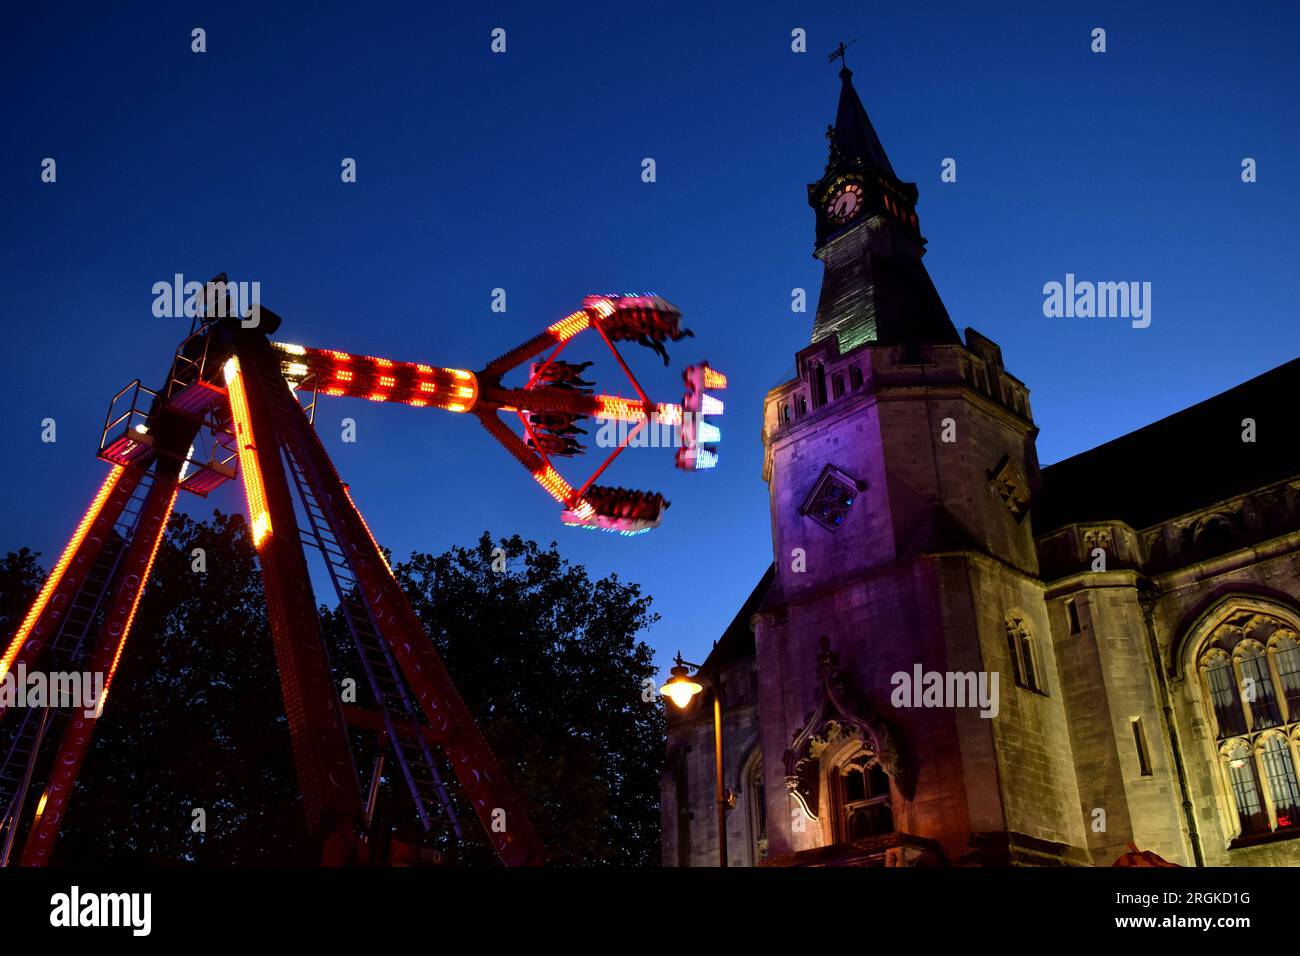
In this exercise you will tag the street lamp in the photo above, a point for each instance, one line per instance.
(681, 688)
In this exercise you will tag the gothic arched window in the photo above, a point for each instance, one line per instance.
(1279, 775)
(863, 807)
(1250, 675)
(1221, 682)
(1286, 658)
(1242, 678)
(1024, 654)
(1245, 788)
(819, 386)
(1257, 685)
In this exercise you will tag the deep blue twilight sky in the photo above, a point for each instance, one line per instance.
(523, 171)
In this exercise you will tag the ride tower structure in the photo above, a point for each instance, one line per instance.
(236, 403)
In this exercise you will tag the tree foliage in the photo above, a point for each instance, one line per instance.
(21, 578)
(547, 659)
(195, 721)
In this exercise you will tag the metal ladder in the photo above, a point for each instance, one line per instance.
(414, 755)
(68, 651)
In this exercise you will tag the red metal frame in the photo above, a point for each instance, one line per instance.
(327, 776)
(107, 655)
(274, 441)
(65, 579)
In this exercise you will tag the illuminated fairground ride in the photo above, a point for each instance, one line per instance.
(250, 402)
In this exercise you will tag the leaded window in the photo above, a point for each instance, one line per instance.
(1245, 789)
(864, 807)
(1250, 673)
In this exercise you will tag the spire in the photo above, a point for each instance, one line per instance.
(875, 288)
(853, 138)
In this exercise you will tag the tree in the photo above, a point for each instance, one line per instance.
(21, 578)
(547, 660)
(195, 721)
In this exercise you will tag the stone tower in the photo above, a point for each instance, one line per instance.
(1137, 605)
(901, 465)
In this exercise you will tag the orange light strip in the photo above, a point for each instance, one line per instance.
(570, 325)
(360, 517)
(56, 575)
(555, 486)
(380, 379)
(713, 378)
(631, 410)
(259, 515)
(668, 414)
(619, 409)
(135, 604)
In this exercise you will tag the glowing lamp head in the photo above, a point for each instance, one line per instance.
(681, 687)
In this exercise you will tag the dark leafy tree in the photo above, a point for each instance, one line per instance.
(547, 659)
(20, 578)
(194, 721)
(549, 663)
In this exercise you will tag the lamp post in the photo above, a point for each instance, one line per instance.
(681, 689)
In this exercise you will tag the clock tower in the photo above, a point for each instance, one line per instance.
(935, 669)
(900, 464)
(875, 288)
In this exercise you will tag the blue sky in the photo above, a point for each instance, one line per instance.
(522, 171)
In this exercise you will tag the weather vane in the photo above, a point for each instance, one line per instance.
(840, 51)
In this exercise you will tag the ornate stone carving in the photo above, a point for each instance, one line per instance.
(837, 715)
(831, 498)
(1214, 530)
(1096, 538)
(1009, 482)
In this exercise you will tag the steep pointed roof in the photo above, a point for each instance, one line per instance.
(855, 137)
(873, 291)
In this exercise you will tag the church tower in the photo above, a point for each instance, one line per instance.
(874, 288)
(958, 658)
(901, 463)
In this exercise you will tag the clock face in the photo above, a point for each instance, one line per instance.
(845, 204)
